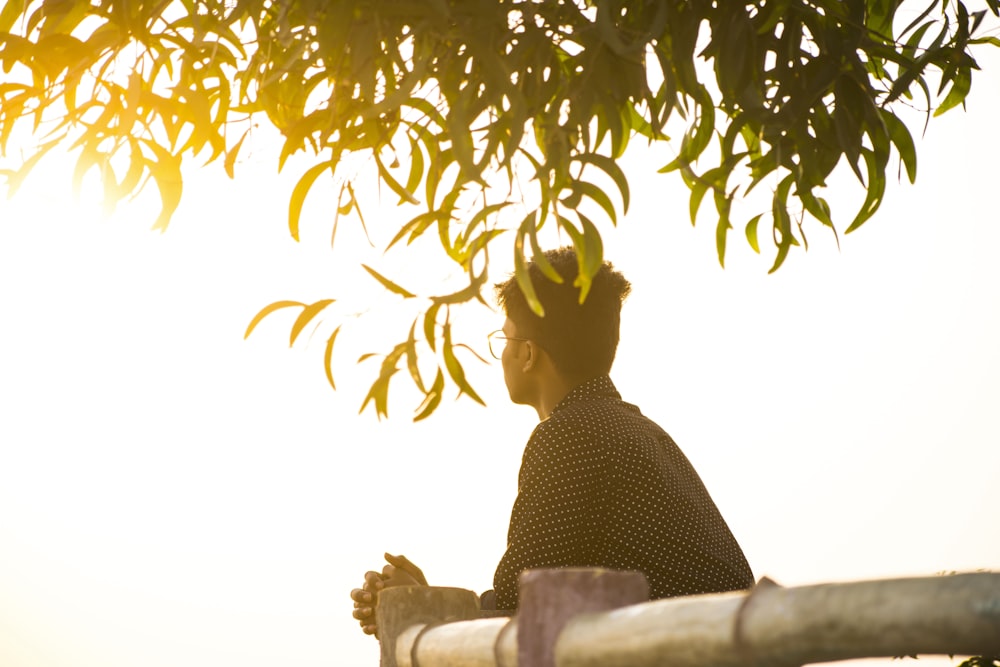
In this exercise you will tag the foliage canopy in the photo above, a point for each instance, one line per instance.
(453, 100)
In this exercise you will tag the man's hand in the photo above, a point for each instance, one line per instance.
(398, 571)
(364, 602)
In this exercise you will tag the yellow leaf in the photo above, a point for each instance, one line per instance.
(267, 310)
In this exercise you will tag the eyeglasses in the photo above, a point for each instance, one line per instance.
(494, 339)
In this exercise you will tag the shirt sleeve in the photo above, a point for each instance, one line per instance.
(553, 523)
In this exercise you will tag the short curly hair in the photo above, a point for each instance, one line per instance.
(581, 339)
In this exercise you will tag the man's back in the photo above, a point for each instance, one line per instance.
(601, 485)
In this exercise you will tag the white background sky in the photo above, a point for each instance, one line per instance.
(171, 494)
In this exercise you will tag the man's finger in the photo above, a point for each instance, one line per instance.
(361, 595)
(373, 581)
(400, 561)
(403, 563)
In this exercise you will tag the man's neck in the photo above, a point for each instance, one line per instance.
(550, 394)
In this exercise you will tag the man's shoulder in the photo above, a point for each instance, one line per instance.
(600, 416)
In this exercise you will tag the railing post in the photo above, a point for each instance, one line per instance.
(549, 598)
(401, 607)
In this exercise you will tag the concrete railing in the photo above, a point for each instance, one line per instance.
(591, 618)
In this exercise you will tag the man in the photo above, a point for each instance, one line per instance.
(600, 484)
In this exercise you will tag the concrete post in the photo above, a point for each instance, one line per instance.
(401, 607)
(549, 598)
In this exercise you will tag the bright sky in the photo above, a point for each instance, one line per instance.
(171, 494)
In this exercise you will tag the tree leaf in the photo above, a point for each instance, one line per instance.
(431, 399)
(416, 167)
(589, 255)
(379, 391)
(411, 358)
(166, 172)
(430, 325)
(959, 91)
(521, 274)
(721, 231)
(308, 313)
(328, 358)
(903, 141)
(16, 178)
(751, 232)
(611, 168)
(394, 185)
(454, 367)
(388, 284)
(599, 196)
(267, 310)
(875, 192)
(300, 191)
(782, 222)
(11, 11)
(539, 259)
(231, 154)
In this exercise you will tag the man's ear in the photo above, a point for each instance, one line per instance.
(531, 356)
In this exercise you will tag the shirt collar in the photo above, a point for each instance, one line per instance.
(596, 387)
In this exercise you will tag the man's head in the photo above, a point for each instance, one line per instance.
(579, 339)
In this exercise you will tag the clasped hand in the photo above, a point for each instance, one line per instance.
(398, 571)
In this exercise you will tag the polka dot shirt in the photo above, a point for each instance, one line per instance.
(603, 486)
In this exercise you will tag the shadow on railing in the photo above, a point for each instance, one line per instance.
(590, 618)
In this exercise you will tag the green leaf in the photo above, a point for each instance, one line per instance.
(454, 367)
(876, 191)
(267, 310)
(416, 166)
(903, 141)
(751, 232)
(388, 284)
(959, 91)
(416, 226)
(411, 358)
(538, 257)
(394, 185)
(431, 113)
(782, 222)
(480, 217)
(995, 41)
(846, 122)
(599, 196)
(462, 143)
(305, 317)
(589, 255)
(611, 168)
(472, 291)
(698, 185)
(430, 324)
(817, 207)
(379, 392)
(721, 232)
(521, 274)
(431, 399)
(698, 189)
